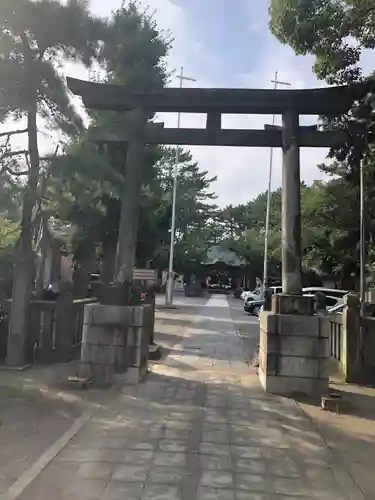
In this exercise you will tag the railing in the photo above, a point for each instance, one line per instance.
(54, 330)
(336, 337)
(79, 311)
(337, 346)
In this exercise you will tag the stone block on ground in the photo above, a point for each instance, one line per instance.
(114, 338)
(293, 353)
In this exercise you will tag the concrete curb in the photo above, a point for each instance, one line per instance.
(41, 463)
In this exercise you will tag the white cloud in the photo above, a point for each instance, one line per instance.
(242, 172)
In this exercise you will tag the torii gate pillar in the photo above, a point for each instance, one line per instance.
(294, 355)
(291, 206)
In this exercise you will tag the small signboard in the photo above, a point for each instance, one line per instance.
(149, 275)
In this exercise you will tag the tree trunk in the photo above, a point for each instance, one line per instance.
(108, 263)
(130, 201)
(23, 270)
(81, 276)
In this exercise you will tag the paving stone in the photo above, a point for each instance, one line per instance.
(254, 466)
(177, 434)
(215, 462)
(170, 459)
(247, 495)
(215, 494)
(215, 437)
(120, 490)
(131, 444)
(217, 479)
(137, 456)
(95, 470)
(166, 475)
(131, 473)
(79, 455)
(85, 489)
(173, 446)
(211, 427)
(285, 468)
(222, 450)
(246, 451)
(253, 482)
(161, 492)
(183, 425)
(41, 491)
(291, 486)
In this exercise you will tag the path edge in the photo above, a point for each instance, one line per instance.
(28, 476)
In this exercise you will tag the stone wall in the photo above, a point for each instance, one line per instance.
(115, 340)
(294, 353)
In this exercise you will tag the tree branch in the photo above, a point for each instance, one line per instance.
(9, 154)
(14, 172)
(13, 132)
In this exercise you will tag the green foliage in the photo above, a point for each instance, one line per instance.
(135, 49)
(336, 32)
(87, 182)
(35, 38)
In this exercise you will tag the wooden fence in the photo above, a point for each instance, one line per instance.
(54, 330)
(336, 342)
(352, 344)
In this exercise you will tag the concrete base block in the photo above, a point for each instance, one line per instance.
(292, 304)
(137, 356)
(100, 376)
(292, 386)
(114, 338)
(134, 375)
(293, 354)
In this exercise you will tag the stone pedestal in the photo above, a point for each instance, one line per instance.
(294, 348)
(114, 340)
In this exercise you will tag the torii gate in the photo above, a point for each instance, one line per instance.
(294, 353)
(214, 103)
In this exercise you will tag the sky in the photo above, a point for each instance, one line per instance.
(228, 44)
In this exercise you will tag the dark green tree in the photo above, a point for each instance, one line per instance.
(336, 32)
(35, 37)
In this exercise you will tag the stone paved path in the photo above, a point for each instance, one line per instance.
(200, 428)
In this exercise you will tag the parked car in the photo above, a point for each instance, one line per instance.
(253, 307)
(252, 295)
(257, 294)
(330, 301)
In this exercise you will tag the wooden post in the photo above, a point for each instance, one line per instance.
(64, 327)
(351, 362)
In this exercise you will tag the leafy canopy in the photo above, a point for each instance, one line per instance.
(336, 32)
(36, 38)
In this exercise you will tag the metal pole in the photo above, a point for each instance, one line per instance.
(362, 239)
(276, 82)
(170, 281)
